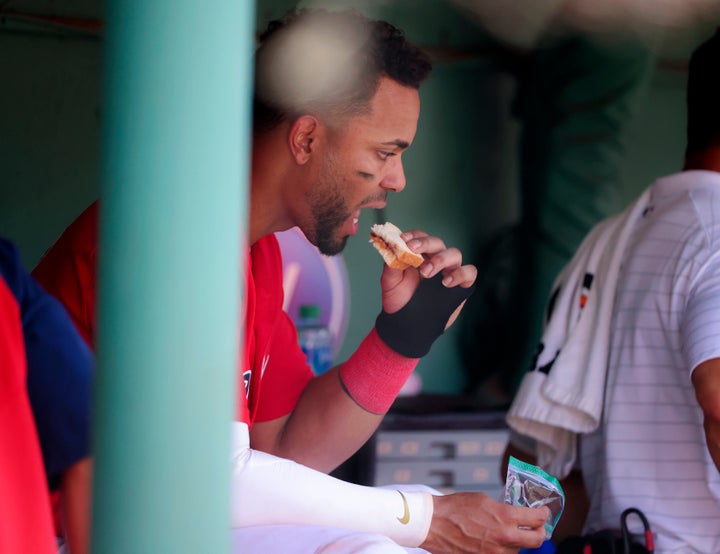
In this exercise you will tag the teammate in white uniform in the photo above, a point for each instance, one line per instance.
(658, 445)
(650, 449)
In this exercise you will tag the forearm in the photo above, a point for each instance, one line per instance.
(339, 410)
(712, 434)
(706, 380)
(75, 505)
(272, 491)
(324, 430)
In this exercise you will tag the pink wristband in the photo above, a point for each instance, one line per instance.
(374, 374)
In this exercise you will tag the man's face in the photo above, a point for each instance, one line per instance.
(360, 165)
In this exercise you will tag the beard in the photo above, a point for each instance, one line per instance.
(329, 209)
(329, 214)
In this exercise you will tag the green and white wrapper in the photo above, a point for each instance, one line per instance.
(530, 486)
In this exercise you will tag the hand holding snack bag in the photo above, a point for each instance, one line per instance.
(528, 485)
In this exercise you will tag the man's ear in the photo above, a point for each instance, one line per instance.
(302, 134)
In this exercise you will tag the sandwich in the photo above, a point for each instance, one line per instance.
(387, 241)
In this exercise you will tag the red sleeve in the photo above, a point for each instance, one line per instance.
(68, 271)
(278, 366)
(286, 374)
(25, 500)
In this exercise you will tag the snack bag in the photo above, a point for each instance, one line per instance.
(528, 485)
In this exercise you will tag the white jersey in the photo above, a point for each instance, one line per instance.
(650, 450)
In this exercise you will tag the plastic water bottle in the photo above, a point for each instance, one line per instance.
(315, 339)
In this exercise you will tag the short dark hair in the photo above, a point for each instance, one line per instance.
(329, 63)
(703, 96)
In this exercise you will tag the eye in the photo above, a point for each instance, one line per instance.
(385, 155)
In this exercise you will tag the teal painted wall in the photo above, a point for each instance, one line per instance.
(49, 135)
(461, 170)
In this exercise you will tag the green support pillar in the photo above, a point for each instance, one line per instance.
(176, 124)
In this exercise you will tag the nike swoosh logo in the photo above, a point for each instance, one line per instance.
(405, 519)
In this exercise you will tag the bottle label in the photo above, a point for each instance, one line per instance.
(319, 357)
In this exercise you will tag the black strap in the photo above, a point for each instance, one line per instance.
(412, 330)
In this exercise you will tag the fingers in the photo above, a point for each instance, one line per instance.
(531, 517)
(440, 259)
(422, 243)
(529, 529)
(399, 286)
(463, 276)
(523, 527)
(447, 259)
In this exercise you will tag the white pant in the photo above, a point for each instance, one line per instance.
(305, 539)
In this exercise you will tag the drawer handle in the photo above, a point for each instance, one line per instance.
(448, 449)
(447, 478)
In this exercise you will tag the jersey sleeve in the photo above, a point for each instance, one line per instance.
(24, 506)
(59, 366)
(286, 374)
(73, 284)
(68, 272)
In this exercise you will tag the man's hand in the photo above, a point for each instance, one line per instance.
(398, 286)
(577, 501)
(420, 304)
(472, 523)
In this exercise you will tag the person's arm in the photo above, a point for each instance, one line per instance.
(75, 498)
(699, 335)
(60, 367)
(325, 428)
(338, 411)
(268, 490)
(59, 384)
(328, 425)
(706, 380)
(59, 378)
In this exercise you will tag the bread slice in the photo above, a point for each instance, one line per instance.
(387, 241)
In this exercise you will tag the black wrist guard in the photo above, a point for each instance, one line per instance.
(412, 330)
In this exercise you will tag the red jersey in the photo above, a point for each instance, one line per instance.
(67, 271)
(272, 356)
(25, 516)
(273, 370)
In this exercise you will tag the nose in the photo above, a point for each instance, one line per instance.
(394, 179)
